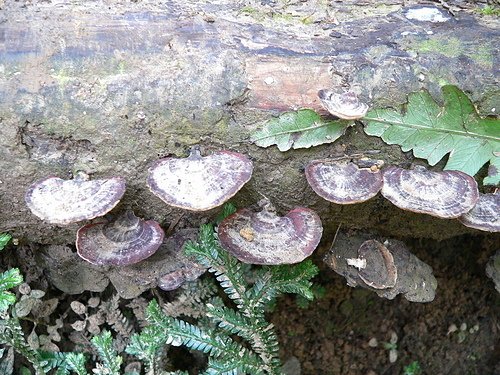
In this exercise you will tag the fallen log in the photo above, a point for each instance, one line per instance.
(108, 89)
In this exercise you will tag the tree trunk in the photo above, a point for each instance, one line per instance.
(108, 89)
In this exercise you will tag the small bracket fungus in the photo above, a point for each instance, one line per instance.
(485, 215)
(345, 106)
(447, 194)
(127, 240)
(265, 238)
(380, 271)
(59, 201)
(388, 269)
(168, 268)
(199, 183)
(343, 183)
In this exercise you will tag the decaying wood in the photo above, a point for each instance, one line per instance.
(109, 87)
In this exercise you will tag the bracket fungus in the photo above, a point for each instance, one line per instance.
(387, 268)
(168, 268)
(343, 183)
(59, 201)
(485, 215)
(126, 240)
(446, 194)
(265, 238)
(345, 106)
(199, 183)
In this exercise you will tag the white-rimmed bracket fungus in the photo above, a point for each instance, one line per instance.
(345, 105)
(387, 268)
(199, 183)
(493, 270)
(124, 241)
(265, 238)
(446, 194)
(343, 182)
(62, 202)
(485, 215)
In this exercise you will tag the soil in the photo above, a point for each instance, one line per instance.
(345, 331)
(332, 335)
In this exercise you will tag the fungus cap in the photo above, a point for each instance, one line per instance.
(199, 183)
(124, 241)
(265, 238)
(446, 194)
(343, 183)
(345, 106)
(380, 271)
(485, 215)
(59, 201)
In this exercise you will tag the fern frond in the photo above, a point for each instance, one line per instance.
(148, 347)
(9, 279)
(110, 358)
(228, 271)
(11, 333)
(4, 240)
(76, 362)
(231, 321)
(178, 332)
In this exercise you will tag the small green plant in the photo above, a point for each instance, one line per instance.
(489, 10)
(413, 369)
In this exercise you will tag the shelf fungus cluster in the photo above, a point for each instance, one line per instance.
(263, 237)
(445, 194)
(387, 268)
(168, 269)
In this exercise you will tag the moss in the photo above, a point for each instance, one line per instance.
(452, 47)
(489, 10)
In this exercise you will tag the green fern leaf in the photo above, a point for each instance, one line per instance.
(301, 129)
(76, 362)
(9, 279)
(110, 358)
(432, 132)
(4, 240)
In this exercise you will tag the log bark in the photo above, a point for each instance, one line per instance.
(108, 87)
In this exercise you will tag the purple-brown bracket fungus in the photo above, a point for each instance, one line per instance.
(126, 240)
(59, 201)
(485, 215)
(343, 183)
(168, 268)
(493, 270)
(345, 106)
(388, 269)
(199, 183)
(265, 238)
(447, 194)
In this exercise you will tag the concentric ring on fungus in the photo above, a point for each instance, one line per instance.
(124, 241)
(341, 182)
(59, 201)
(265, 238)
(446, 194)
(199, 183)
(485, 215)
